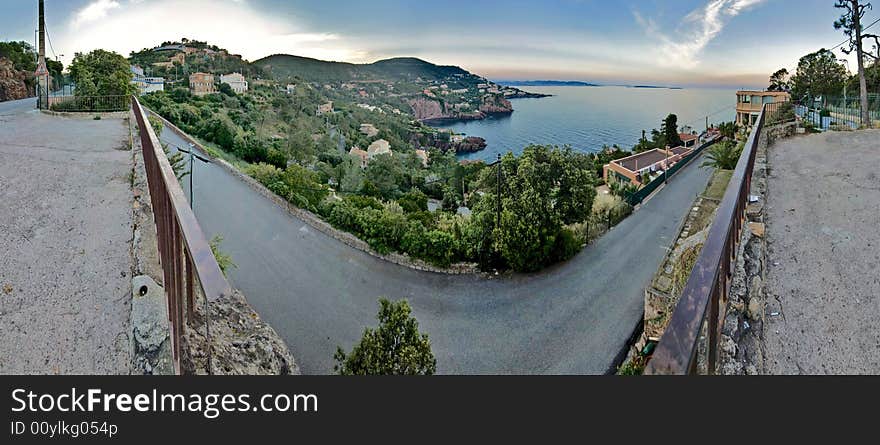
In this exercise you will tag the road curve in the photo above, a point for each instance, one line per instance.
(319, 293)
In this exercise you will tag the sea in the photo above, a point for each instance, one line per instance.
(588, 117)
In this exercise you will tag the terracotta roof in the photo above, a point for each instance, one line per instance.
(687, 137)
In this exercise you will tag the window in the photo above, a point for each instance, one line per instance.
(746, 99)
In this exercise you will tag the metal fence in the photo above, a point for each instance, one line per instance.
(88, 104)
(184, 252)
(829, 112)
(643, 193)
(704, 299)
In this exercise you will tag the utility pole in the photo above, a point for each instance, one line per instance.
(42, 71)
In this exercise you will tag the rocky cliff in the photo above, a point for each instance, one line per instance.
(495, 104)
(12, 82)
(426, 109)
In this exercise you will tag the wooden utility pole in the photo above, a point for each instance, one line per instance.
(42, 73)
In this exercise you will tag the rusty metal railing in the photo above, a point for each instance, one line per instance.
(184, 252)
(704, 298)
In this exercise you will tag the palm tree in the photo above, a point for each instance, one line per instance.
(723, 156)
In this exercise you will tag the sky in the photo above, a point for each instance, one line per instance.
(688, 43)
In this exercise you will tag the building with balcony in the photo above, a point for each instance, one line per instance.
(201, 84)
(146, 84)
(750, 103)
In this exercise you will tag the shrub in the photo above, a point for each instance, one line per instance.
(414, 201)
(394, 348)
(276, 157)
(264, 173)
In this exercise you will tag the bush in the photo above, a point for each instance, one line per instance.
(276, 157)
(568, 244)
(414, 201)
(364, 202)
(264, 173)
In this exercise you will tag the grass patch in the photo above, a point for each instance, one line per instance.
(718, 184)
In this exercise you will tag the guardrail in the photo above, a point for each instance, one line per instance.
(704, 299)
(184, 252)
(91, 104)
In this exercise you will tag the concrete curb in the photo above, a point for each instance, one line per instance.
(322, 226)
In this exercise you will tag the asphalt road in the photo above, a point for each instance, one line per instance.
(319, 294)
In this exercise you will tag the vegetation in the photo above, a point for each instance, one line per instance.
(101, 73)
(851, 24)
(666, 136)
(818, 74)
(23, 58)
(394, 348)
(723, 155)
(224, 260)
(178, 164)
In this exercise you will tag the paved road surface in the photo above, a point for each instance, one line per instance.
(65, 233)
(318, 293)
(824, 250)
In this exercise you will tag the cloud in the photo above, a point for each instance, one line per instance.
(695, 31)
(130, 25)
(95, 10)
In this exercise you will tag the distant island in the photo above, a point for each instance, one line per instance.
(653, 86)
(547, 83)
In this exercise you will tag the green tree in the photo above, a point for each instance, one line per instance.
(541, 191)
(101, 73)
(394, 348)
(779, 81)
(818, 74)
(723, 155)
(670, 132)
(851, 24)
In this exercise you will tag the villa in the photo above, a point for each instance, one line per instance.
(236, 81)
(750, 103)
(380, 147)
(636, 168)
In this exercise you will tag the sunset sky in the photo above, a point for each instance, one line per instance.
(731, 43)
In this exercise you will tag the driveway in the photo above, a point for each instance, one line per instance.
(319, 294)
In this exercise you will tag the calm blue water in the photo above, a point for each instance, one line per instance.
(588, 117)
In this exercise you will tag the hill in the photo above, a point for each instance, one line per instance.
(547, 83)
(287, 67)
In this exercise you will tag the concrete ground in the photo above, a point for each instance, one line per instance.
(823, 284)
(65, 237)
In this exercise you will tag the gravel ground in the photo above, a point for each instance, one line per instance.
(65, 234)
(823, 285)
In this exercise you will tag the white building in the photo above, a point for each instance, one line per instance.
(236, 81)
(146, 84)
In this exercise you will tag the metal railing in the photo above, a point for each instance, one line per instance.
(90, 104)
(184, 252)
(704, 299)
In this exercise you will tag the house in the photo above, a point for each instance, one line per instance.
(369, 130)
(236, 81)
(325, 108)
(380, 147)
(423, 156)
(201, 84)
(749, 104)
(636, 168)
(688, 140)
(146, 84)
(362, 156)
(291, 88)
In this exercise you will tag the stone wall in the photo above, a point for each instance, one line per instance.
(740, 350)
